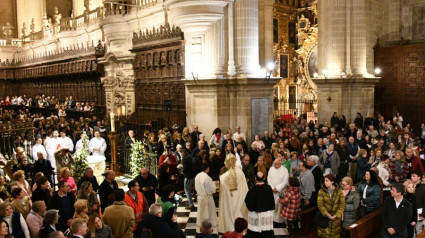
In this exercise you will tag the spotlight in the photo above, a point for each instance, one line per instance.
(377, 71)
(324, 73)
(315, 75)
(270, 66)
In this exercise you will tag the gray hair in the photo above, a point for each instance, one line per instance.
(206, 226)
(155, 208)
(51, 217)
(179, 146)
(315, 159)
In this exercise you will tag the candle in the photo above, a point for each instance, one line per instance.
(112, 121)
(123, 110)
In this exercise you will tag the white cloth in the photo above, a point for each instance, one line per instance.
(277, 179)
(24, 225)
(66, 142)
(238, 161)
(384, 174)
(260, 221)
(205, 188)
(51, 148)
(38, 148)
(97, 142)
(79, 145)
(236, 135)
(232, 203)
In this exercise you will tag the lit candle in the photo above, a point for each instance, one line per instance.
(123, 110)
(112, 121)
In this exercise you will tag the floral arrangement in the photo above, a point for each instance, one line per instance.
(80, 158)
(138, 158)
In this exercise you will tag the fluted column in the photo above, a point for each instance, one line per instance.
(246, 35)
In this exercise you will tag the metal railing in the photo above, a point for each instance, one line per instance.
(124, 158)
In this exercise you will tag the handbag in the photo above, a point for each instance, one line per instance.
(320, 220)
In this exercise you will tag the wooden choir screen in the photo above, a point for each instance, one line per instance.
(402, 87)
(159, 69)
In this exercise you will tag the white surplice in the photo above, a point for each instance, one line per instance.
(205, 189)
(79, 145)
(277, 179)
(66, 142)
(38, 148)
(232, 203)
(52, 146)
(97, 142)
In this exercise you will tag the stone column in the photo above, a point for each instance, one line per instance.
(265, 17)
(78, 7)
(28, 9)
(246, 38)
(345, 46)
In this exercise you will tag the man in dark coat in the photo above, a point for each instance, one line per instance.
(396, 213)
(44, 166)
(148, 184)
(158, 226)
(268, 141)
(260, 200)
(63, 201)
(189, 178)
(107, 189)
(195, 135)
(248, 170)
(89, 176)
(344, 156)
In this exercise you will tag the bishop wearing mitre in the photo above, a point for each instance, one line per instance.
(233, 190)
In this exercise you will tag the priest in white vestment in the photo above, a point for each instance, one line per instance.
(38, 147)
(97, 147)
(52, 146)
(79, 145)
(66, 142)
(233, 189)
(205, 189)
(277, 178)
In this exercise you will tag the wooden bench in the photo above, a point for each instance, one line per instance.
(368, 226)
(421, 235)
(308, 229)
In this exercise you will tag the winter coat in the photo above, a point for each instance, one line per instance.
(373, 194)
(291, 203)
(352, 202)
(335, 161)
(334, 205)
(362, 167)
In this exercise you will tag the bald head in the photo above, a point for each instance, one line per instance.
(144, 172)
(277, 163)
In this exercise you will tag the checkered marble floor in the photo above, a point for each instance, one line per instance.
(187, 221)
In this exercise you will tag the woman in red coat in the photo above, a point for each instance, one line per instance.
(291, 205)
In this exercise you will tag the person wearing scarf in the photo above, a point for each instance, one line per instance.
(217, 139)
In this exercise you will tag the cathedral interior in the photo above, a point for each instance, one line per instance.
(152, 64)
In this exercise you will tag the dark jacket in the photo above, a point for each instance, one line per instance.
(420, 195)
(187, 166)
(373, 194)
(65, 213)
(195, 137)
(93, 181)
(363, 165)
(45, 167)
(41, 195)
(267, 142)
(260, 198)
(249, 174)
(151, 181)
(46, 230)
(105, 193)
(128, 141)
(318, 176)
(396, 218)
(159, 227)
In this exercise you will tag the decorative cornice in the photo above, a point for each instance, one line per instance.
(162, 33)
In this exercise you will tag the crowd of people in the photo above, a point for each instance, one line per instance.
(43, 101)
(342, 169)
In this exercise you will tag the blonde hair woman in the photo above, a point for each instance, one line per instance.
(19, 181)
(81, 209)
(409, 195)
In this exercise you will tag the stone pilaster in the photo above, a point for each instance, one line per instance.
(347, 96)
(246, 35)
(247, 102)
